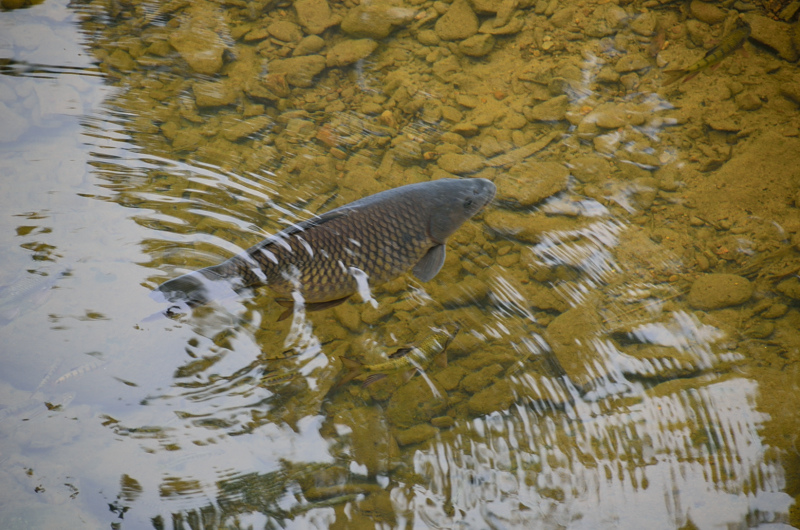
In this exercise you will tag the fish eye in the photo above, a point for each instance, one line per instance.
(468, 203)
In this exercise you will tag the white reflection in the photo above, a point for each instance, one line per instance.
(688, 455)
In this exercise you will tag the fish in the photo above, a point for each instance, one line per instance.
(323, 261)
(407, 360)
(27, 292)
(730, 43)
(271, 379)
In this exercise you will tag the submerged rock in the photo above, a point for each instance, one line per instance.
(315, 15)
(300, 71)
(499, 396)
(531, 183)
(477, 45)
(214, 94)
(416, 402)
(200, 47)
(776, 35)
(350, 51)
(715, 291)
(554, 109)
(460, 164)
(459, 22)
(375, 20)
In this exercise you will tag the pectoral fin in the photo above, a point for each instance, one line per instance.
(441, 360)
(400, 353)
(374, 378)
(430, 264)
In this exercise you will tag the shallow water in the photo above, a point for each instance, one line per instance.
(629, 348)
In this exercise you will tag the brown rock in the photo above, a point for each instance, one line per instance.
(776, 35)
(715, 291)
(200, 47)
(459, 22)
(300, 71)
(314, 15)
(706, 12)
(350, 51)
(214, 94)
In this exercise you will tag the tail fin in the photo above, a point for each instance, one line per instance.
(672, 76)
(354, 369)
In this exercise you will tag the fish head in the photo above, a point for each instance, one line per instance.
(453, 201)
(195, 288)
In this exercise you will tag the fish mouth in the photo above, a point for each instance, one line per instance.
(487, 193)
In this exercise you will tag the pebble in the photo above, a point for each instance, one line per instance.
(214, 93)
(350, 51)
(748, 101)
(706, 12)
(300, 71)
(375, 20)
(428, 37)
(479, 380)
(715, 291)
(285, 31)
(497, 397)
(790, 287)
(309, 45)
(477, 45)
(459, 22)
(460, 164)
(554, 109)
(631, 62)
(245, 128)
(644, 24)
(315, 15)
(121, 60)
(776, 35)
(539, 181)
(607, 143)
(200, 47)
(416, 434)
(590, 168)
(413, 403)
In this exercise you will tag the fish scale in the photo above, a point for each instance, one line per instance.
(323, 259)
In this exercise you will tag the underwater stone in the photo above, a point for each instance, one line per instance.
(460, 164)
(715, 291)
(350, 51)
(214, 94)
(415, 403)
(315, 15)
(477, 45)
(285, 31)
(300, 71)
(200, 47)
(554, 109)
(459, 22)
(531, 183)
(309, 45)
(497, 397)
(416, 434)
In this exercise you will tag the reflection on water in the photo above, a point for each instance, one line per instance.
(628, 303)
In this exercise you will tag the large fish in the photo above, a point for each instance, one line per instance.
(323, 261)
(729, 44)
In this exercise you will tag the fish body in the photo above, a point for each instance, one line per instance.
(730, 43)
(325, 260)
(270, 379)
(405, 360)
